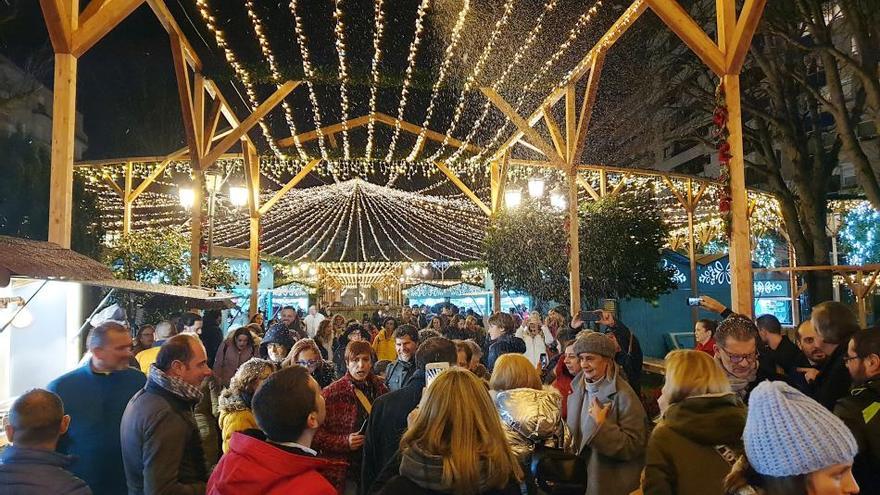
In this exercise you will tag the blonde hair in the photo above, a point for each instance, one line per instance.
(690, 373)
(457, 422)
(514, 371)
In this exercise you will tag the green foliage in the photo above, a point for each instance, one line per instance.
(162, 256)
(526, 251)
(24, 196)
(621, 242)
(621, 246)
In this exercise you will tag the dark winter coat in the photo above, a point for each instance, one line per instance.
(505, 344)
(833, 381)
(345, 415)
(630, 357)
(161, 448)
(386, 426)
(38, 472)
(859, 411)
(681, 456)
(95, 403)
(399, 373)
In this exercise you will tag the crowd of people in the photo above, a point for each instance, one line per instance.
(412, 401)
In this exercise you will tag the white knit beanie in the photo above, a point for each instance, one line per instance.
(789, 434)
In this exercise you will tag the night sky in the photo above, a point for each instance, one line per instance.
(127, 91)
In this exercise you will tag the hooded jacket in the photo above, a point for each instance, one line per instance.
(681, 456)
(235, 415)
(532, 417)
(255, 466)
(36, 471)
(615, 450)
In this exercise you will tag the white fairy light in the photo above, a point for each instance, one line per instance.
(309, 72)
(257, 24)
(378, 30)
(478, 69)
(517, 57)
(441, 77)
(339, 30)
(240, 71)
(573, 33)
(407, 79)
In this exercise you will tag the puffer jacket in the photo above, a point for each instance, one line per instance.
(531, 417)
(682, 457)
(235, 415)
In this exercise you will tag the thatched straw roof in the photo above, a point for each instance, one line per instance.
(46, 260)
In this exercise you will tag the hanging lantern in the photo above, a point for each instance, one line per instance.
(536, 187)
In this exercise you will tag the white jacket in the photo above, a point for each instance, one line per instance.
(537, 345)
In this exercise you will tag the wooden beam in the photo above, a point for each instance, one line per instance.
(231, 253)
(63, 148)
(725, 15)
(494, 179)
(555, 134)
(681, 23)
(588, 187)
(252, 177)
(333, 142)
(619, 187)
(574, 260)
(184, 94)
(251, 120)
(100, 22)
(126, 203)
(502, 180)
(113, 185)
(529, 145)
(61, 18)
(91, 9)
(681, 199)
(748, 22)
(195, 228)
(199, 111)
(570, 123)
(432, 135)
(254, 264)
(290, 185)
(623, 23)
(529, 132)
(211, 123)
(173, 29)
(312, 135)
(465, 189)
(589, 102)
(740, 242)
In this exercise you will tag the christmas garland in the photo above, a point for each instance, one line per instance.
(719, 137)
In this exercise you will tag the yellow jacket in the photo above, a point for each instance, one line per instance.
(235, 421)
(147, 357)
(384, 347)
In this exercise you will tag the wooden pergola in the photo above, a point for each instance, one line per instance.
(73, 33)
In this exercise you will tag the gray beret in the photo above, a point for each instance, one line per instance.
(594, 343)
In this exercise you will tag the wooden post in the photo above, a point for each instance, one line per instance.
(859, 290)
(126, 200)
(63, 144)
(574, 260)
(692, 257)
(254, 255)
(793, 287)
(741, 284)
(195, 246)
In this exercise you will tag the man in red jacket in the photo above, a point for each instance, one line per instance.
(289, 408)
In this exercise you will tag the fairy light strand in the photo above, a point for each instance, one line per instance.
(407, 80)
(378, 31)
(243, 75)
(339, 31)
(309, 72)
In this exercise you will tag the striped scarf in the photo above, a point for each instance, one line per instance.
(174, 385)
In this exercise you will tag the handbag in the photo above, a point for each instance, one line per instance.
(553, 471)
(556, 472)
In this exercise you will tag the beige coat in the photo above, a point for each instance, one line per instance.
(615, 451)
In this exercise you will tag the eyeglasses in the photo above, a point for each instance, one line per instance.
(737, 358)
(847, 359)
(306, 364)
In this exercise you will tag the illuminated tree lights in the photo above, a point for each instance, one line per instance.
(860, 235)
